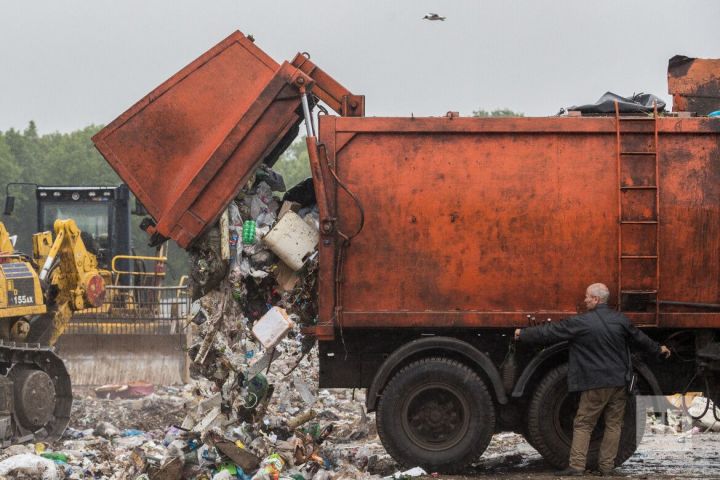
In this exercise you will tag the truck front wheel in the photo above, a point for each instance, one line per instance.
(436, 413)
(550, 423)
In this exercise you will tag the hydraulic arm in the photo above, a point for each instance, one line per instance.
(71, 270)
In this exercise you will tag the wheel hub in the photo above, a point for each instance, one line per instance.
(34, 398)
(434, 417)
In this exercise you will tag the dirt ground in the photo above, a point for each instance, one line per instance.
(658, 457)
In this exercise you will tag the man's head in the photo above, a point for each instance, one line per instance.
(596, 294)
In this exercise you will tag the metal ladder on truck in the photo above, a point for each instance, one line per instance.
(638, 209)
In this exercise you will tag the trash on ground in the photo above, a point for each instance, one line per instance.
(131, 390)
(253, 410)
(28, 465)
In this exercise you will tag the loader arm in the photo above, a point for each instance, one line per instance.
(71, 270)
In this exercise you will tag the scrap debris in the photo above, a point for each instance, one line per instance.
(255, 277)
(144, 438)
(250, 412)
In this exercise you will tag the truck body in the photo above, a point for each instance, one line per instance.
(440, 236)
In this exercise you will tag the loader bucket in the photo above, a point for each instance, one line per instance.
(100, 359)
(138, 335)
(190, 145)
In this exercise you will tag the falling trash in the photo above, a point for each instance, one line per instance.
(292, 239)
(272, 327)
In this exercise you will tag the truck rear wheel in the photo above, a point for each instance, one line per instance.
(550, 423)
(436, 413)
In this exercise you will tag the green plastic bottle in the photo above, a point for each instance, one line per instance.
(248, 232)
(55, 456)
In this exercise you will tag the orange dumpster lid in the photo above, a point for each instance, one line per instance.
(188, 147)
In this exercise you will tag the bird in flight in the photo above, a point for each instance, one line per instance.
(433, 16)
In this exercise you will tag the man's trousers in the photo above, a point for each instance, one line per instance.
(593, 402)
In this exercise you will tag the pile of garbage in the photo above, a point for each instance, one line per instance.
(253, 411)
(112, 437)
(254, 281)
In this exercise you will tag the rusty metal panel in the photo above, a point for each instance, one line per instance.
(694, 84)
(480, 222)
(186, 148)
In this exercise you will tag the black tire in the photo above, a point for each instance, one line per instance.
(436, 413)
(550, 419)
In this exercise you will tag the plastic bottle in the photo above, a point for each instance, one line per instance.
(248, 232)
(57, 457)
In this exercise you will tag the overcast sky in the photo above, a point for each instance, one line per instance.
(70, 63)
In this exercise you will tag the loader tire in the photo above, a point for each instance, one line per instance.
(436, 413)
(550, 423)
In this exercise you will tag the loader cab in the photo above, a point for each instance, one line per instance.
(103, 213)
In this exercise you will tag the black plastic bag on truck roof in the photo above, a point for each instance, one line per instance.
(638, 103)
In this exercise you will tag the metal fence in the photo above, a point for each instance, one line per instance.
(144, 310)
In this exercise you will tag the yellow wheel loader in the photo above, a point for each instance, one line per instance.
(138, 333)
(38, 296)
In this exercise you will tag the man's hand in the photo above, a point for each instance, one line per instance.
(665, 351)
(517, 334)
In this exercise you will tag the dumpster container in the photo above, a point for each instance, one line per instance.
(182, 146)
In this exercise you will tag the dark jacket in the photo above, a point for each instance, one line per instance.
(598, 358)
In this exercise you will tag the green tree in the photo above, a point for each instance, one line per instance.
(294, 164)
(8, 167)
(498, 112)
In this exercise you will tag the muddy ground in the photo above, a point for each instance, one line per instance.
(660, 456)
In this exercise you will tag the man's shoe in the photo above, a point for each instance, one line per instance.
(570, 472)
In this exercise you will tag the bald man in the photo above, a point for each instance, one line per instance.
(598, 367)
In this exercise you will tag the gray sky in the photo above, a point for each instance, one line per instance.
(69, 63)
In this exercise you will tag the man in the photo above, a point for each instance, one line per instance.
(598, 368)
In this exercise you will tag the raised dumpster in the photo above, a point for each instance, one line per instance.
(187, 147)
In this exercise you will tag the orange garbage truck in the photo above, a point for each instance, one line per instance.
(441, 235)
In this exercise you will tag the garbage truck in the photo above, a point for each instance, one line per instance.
(441, 235)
